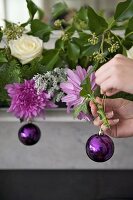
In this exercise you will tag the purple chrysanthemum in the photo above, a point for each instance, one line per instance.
(26, 103)
(73, 88)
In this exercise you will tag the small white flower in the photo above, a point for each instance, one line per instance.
(59, 96)
(50, 82)
(26, 48)
(130, 53)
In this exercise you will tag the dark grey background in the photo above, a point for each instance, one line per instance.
(66, 185)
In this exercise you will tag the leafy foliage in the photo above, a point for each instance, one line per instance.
(59, 9)
(3, 57)
(86, 88)
(97, 23)
(50, 59)
(128, 42)
(124, 11)
(33, 9)
(40, 29)
(88, 40)
(9, 73)
(73, 52)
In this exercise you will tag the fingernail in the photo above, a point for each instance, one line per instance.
(116, 120)
(101, 91)
(110, 114)
(104, 128)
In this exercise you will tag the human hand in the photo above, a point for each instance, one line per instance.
(116, 75)
(120, 117)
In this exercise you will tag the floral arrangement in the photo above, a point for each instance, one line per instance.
(34, 78)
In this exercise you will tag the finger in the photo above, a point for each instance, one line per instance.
(120, 56)
(99, 122)
(93, 109)
(99, 100)
(112, 122)
(107, 85)
(91, 103)
(102, 77)
(107, 66)
(104, 68)
(101, 91)
(109, 104)
(112, 104)
(110, 114)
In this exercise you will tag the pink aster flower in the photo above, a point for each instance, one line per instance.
(26, 103)
(87, 117)
(72, 88)
(92, 79)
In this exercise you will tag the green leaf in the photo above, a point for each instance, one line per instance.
(59, 9)
(86, 87)
(129, 29)
(84, 36)
(84, 62)
(33, 9)
(81, 108)
(96, 23)
(3, 58)
(97, 92)
(89, 50)
(124, 11)
(50, 59)
(128, 41)
(59, 44)
(83, 14)
(73, 51)
(70, 30)
(40, 29)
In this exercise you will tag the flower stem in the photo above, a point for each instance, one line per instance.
(102, 115)
(101, 112)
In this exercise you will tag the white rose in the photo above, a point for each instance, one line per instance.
(130, 53)
(26, 48)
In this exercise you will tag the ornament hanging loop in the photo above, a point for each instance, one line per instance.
(100, 132)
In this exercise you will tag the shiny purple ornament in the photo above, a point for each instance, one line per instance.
(29, 134)
(100, 148)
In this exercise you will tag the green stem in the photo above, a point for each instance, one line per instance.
(102, 115)
(101, 46)
(110, 25)
(118, 39)
(129, 34)
(101, 112)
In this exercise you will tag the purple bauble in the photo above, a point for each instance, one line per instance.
(29, 134)
(100, 148)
